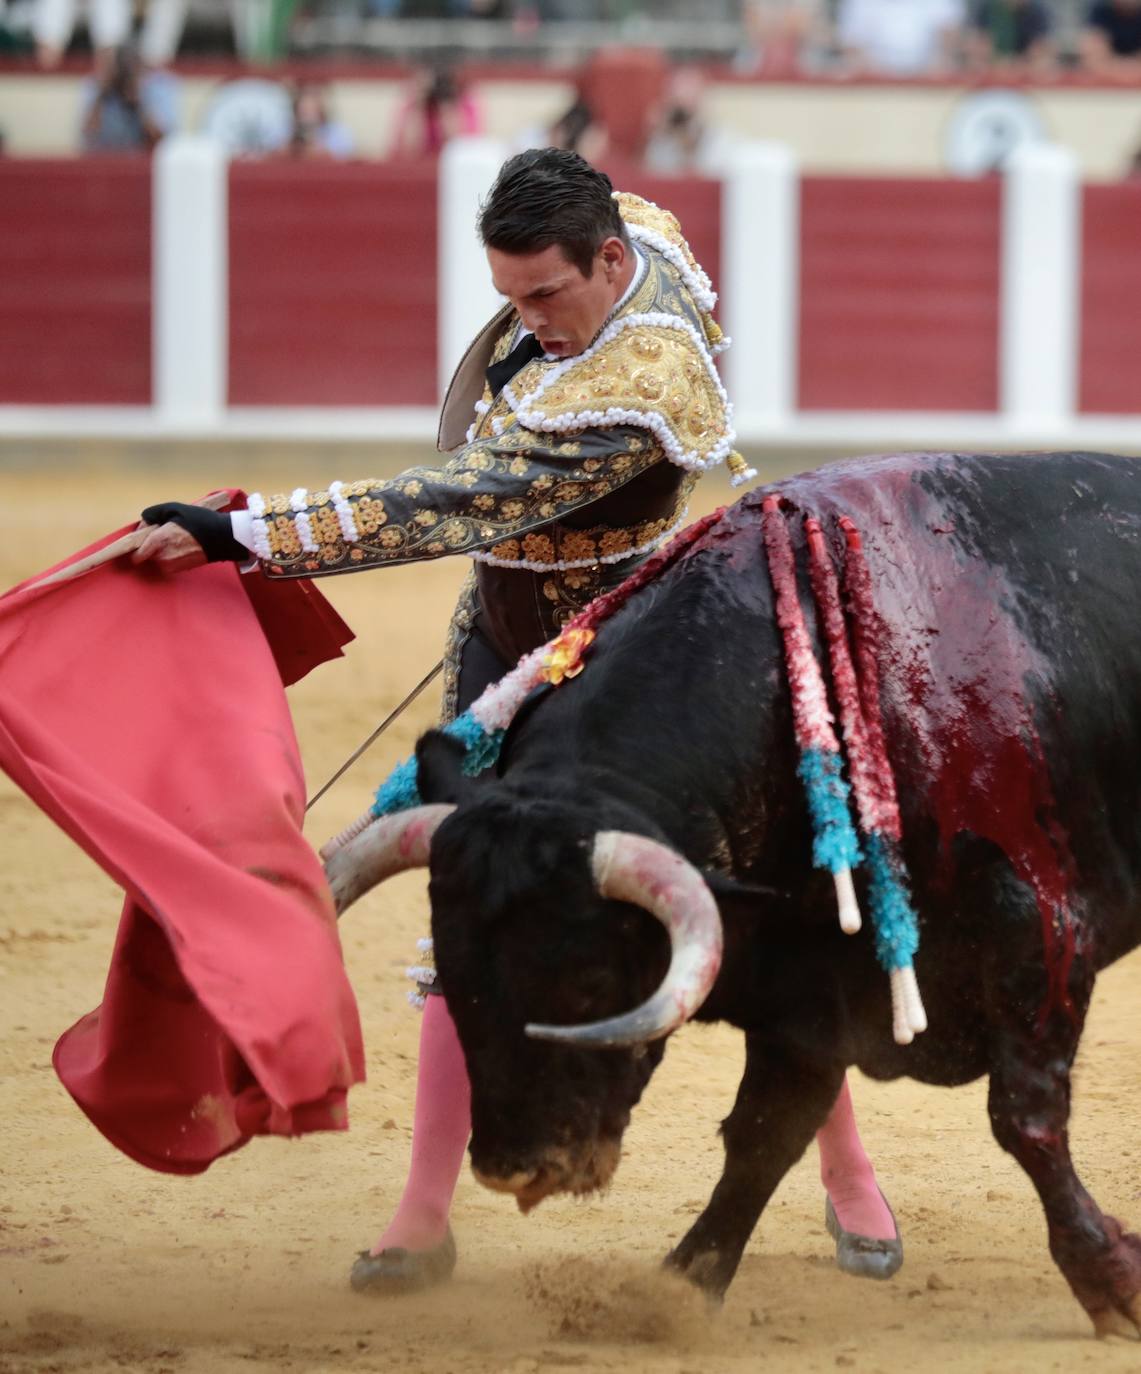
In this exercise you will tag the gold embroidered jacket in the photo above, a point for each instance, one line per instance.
(563, 435)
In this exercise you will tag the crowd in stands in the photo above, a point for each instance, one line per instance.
(131, 100)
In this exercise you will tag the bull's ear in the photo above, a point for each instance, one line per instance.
(745, 900)
(439, 768)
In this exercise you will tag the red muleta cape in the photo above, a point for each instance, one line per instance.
(146, 715)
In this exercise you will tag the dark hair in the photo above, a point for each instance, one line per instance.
(551, 196)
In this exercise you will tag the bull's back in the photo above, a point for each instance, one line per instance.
(1005, 592)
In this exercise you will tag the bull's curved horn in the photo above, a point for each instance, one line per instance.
(387, 846)
(631, 868)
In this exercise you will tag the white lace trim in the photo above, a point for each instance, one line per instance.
(299, 502)
(695, 277)
(569, 564)
(420, 974)
(481, 409)
(259, 530)
(344, 513)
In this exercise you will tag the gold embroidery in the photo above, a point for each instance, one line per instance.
(326, 527)
(537, 548)
(577, 545)
(678, 389)
(615, 541)
(283, 537)
(459, 632)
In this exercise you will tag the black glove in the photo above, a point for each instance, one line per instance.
(211, 528)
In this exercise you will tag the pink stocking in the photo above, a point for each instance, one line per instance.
(440, 1133)
(847, 1174)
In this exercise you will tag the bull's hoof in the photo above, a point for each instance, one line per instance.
(863, 1256)
(1110, 1322)
(397, 1271)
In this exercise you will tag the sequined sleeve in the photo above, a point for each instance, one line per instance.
(493, 497)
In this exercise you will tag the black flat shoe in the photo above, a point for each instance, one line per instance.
(861, 1255)
(397, 1270)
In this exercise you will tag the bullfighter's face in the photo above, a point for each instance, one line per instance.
(522, 937)
(563, 308)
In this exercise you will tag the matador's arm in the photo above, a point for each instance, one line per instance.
(492, 490)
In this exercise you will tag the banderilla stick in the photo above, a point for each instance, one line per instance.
(380, 729)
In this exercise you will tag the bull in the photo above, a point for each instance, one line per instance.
(643, 853)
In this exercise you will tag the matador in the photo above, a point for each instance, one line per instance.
(578, 423)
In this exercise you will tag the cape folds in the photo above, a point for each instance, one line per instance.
(146, 716)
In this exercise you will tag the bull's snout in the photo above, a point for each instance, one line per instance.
(580, 1170)
(529, 1187)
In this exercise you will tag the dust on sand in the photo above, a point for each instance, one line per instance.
(105, 1267)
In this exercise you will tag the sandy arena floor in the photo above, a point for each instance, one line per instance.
(104, 1266)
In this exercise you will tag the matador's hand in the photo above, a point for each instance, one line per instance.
(186, 536)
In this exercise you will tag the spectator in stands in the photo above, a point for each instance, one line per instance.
(575, 130)
(436, 109)
(1111, 41)
(315, 132)
(125, 109)
(1011, 33)
(683, 139)
(108, 24)
(783, 37)
(900, 37)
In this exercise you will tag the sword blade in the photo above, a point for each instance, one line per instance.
(380, 729)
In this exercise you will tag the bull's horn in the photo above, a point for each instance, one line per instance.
(631, 868)
(387, 846)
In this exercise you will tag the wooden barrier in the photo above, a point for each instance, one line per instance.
(899, 294)
(75, 281)
(1110, 343)
(332, 284)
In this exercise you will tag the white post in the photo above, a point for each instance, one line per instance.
(759, 286)
(190, 278)
(1041, 263)
(468, 167)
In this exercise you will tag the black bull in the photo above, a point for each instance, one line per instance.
(1007, 592)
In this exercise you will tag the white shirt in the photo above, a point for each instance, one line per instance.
(903, 37)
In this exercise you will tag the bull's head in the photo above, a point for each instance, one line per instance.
(550, 940)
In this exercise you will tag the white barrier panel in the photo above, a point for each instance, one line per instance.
(1041, 266)
(190, 282)
(760, 278)
(467, 299)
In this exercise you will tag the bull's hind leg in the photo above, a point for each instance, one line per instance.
(1029, 1105)
(780, 1105)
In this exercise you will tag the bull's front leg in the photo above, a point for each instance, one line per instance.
(781, 1103)
(1029, 1104)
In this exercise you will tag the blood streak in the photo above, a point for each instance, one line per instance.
(958, 679)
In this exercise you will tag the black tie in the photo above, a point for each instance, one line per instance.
(499, 374)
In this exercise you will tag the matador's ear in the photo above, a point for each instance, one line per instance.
(439, 768)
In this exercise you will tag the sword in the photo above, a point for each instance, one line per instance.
(380, 729)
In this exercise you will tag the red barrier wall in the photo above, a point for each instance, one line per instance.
(1109, 377)
(75, 281)
(332, 284)
(899, 294)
